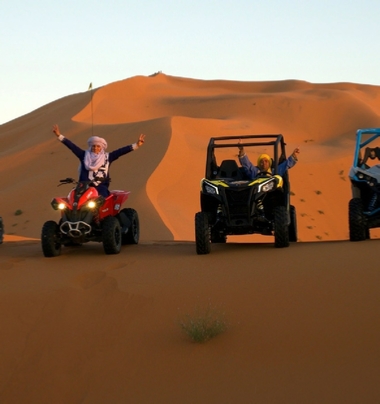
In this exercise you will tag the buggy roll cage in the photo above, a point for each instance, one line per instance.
(277, 141)
(369, 152)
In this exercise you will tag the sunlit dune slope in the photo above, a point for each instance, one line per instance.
(178, 116)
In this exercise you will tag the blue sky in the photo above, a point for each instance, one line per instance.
(50, 49)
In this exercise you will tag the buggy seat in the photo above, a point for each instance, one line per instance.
(229, 169)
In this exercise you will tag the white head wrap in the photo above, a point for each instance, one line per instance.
(97, 140)
(94, 161)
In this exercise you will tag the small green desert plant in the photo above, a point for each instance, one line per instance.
(204, 324)
(318, 192)
(18, 212)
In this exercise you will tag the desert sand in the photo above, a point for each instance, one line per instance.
(86, 327)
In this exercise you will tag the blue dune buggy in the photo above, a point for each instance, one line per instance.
(364, 207)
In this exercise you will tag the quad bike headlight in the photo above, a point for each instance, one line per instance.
(57, 205)
(95, 203)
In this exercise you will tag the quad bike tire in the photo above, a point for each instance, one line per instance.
(357, 225)
(111, 235)
(293, 236)
(202, 233)
(51, 245)
(281, 228)
(133, 234)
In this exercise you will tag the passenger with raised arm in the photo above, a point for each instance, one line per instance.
(264, 163)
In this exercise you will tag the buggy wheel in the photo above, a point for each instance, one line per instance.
(281, 228)
(133, 234)
(357, 225)
(202, 233)
(293, 224)
(50, 240)
(111, 235)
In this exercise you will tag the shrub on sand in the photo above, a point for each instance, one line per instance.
(204, 324)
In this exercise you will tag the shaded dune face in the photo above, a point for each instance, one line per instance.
(178, 116)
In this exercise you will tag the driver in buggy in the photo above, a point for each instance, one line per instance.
(264, 164)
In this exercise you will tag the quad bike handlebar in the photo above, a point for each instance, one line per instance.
(69, 180)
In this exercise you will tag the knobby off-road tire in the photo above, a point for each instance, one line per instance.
(281, 228)
(111, 235)
(356, 221)
(202, 233)
(293, 236)
(50, 241)
(133, 234)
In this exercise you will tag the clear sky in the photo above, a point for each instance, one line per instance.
(50, 49)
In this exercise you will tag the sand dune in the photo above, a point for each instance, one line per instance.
(178, 116)
(91, 328)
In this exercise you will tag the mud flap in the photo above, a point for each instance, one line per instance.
(125, 222)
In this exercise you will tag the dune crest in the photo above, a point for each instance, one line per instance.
(178, 116)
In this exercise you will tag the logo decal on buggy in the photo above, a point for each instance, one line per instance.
(117, 206)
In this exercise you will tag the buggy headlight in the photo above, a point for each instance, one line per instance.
(268, 186)
(210, 189)
(61, 206)
(364, 177)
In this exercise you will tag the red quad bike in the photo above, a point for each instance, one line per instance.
(87, 216)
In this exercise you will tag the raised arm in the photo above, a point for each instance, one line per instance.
(68, 143)
(56, 130)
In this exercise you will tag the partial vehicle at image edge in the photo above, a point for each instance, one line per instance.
(364, 206)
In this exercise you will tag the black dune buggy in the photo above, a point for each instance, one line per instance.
(364, 207)
(232, 204)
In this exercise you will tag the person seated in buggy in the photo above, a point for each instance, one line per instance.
(264, 164)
